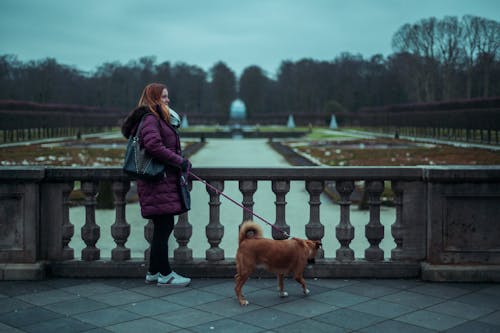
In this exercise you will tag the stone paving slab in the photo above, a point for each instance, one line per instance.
(209, 305)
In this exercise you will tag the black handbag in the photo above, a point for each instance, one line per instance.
(138, 163)
(184, 189)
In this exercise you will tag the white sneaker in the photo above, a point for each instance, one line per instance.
(151, 278)
(173, 280)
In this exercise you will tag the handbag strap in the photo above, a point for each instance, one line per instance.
(138, 129)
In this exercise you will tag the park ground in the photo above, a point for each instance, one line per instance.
(328, 149)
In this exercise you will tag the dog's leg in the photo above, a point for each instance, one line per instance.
(300, 279)
(240, 281)
(236, 278)
(281, 288)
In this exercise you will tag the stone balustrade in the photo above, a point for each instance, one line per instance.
(446, 223)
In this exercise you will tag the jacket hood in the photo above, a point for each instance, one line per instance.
(132, 120)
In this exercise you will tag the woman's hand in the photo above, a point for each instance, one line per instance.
(185, 165)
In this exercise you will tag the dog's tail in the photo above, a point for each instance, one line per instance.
(250, 229)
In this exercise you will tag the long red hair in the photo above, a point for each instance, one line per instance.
(151, 97)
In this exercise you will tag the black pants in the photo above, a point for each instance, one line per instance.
(158, 257)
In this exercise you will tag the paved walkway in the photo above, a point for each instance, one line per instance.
(209, 305)
(238, 153)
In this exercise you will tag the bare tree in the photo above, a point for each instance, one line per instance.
(489, 50)
(449, 44)
(471, 36)
(419, 39)
(482, 49)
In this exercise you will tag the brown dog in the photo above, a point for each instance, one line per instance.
(277, 256)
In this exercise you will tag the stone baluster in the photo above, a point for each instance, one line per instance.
(314, 229)
(280, 189)
(344, 230)
(247, 188)
(120, 230)
(397, 227)
(374, 230)
(90, 230)
(148, 235)
(214, 230)
(182, 232)
(68, 229)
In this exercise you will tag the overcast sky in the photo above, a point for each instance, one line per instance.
(88, 33)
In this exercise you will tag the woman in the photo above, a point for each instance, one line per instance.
(160, 199)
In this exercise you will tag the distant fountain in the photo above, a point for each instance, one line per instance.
(291, 122)
(185, 123)
(237, 111)
(333, 122)
(237, 115)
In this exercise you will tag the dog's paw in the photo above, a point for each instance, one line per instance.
(283, 294)
(244, 302)
(306, 292)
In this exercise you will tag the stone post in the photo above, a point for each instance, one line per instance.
(344, 230)
(68, 229)
(314, 229)
(374, 230)
(57, 232)
(215, 230)
(280, 188)
(91, 232)
(247, 188)
(120, 230)
(397, 227)
(414, 219)
(182, 232)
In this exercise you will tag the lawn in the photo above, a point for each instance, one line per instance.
(391, 152)
(85, 152)
(334, 149)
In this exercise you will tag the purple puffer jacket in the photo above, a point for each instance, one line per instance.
(162, 142)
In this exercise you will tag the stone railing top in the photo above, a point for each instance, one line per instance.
(423, 173)
(311, 173)
(22, 173)
(461, 173)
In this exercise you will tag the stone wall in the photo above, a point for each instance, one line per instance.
(447, 221)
